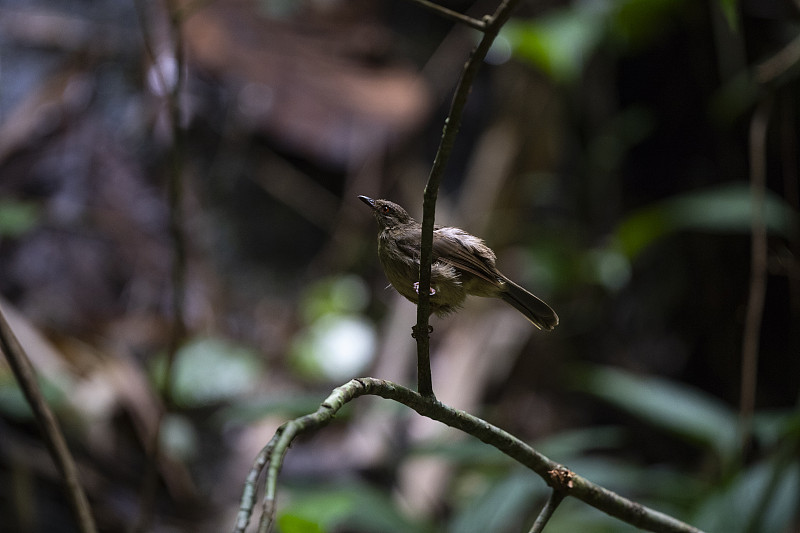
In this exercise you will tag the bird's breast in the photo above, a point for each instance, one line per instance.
(398, 264)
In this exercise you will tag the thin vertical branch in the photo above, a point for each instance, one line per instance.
(53, 438)
(555, 498)
(175, 186)
(758, 267)
(492, 25)
(173, 88)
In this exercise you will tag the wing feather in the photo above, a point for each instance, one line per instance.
(461, 250)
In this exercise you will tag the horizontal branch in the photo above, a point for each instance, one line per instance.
(555, 475)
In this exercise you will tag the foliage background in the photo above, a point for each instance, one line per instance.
(605, 155)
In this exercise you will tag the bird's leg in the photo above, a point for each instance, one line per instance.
(414, 328)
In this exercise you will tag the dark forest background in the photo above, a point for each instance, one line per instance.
(608, 155)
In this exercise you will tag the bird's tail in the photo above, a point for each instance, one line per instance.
(539, 313)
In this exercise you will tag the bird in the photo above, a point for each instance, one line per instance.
(461, 265)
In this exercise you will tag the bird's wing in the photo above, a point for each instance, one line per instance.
(407, 241)
(465, 252)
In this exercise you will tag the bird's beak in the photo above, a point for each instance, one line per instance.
(367, 200)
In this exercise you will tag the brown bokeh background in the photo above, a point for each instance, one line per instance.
(606, 155)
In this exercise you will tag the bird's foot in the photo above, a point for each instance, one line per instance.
(416, 288)
(414, 330)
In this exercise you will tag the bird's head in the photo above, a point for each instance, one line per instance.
(388, 214)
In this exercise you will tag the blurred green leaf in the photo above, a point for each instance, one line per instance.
(464, 451)
(503, 507)
(609, 147)
(726, 209)
(287, 405)
(675, 492)
(337, 343)
(325, 508)
(558, 43)
(575, 516)
(635, 23)
(773, 428)
(562, 41)
(561, 446)
(577, 442)
(686, 412)
(289, 523)
(353, 506)
(732, 508)
(730, 10)
(14, 404)
(507, 504)
(608, 267)
(334, 347)
(333, 296)
(734, 99)
(210, 370)
(17, 217)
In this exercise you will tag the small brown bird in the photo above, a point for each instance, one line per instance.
(462, 265)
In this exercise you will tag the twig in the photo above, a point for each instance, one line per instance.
(557, 476)
(173, 90)
(758, 268)
(175, 186)
(452, 15)
(26, 377)
(250, 488)
(492, 25)
(555, 498)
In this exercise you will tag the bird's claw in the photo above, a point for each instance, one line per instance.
(414, 330)
(416, 288)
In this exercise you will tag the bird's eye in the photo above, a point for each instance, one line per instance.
(386, 210)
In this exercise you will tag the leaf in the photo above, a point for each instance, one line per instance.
(14, 404)
(577, 442)
(724, 209)
(502, 507)
(287, 405)
(334, 347)
(729, 9)
(733, 507)
(210, 370)
(467, 452)
(636, 23)
(350, 506)
(289, 523)
(683, 411)
(559, 43)
(575, 516)
(734, 99)
(334, 295)
(772, 428)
